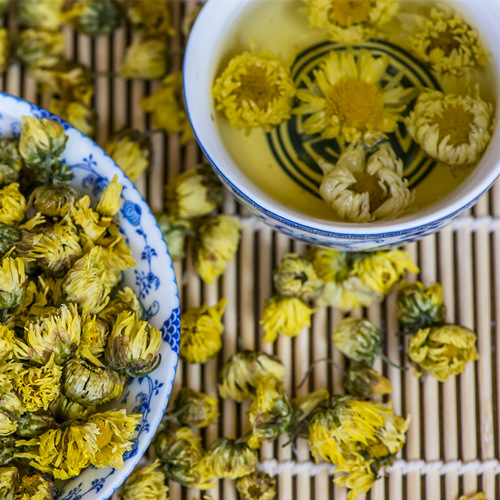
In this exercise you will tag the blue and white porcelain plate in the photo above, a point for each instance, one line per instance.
(153, 280)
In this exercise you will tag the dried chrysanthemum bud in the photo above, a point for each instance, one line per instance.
(79, 114)
(90, 385)
(66, 410)
(145, 59)
(256, 486)
(93, 339)
(419, 306)
(133, 346)
(41, 14)
(200, 410)
(131, 150)
(53, 200)
(167, 108)
(174, 232)
(180, 452)
(94, 17)
(6, 342)
(194, 193)
(12, 204)
(442, 350)
(13, 281)
(125, 300)
(285, 316)
(302, 408)
(10, 161)
(295, 277)
(242, 371)
(270, 413)
(477, 496)
(229, 459)
(8, 482)
(201, 330)
(36, 47)
(358, 339)
(36, 486)
(34, 424)
(150, 17)
(146, 483)
(42, 142)
(364, 382)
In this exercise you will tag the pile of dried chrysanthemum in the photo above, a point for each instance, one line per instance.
(69, 337)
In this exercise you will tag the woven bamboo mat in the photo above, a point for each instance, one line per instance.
(453, 441)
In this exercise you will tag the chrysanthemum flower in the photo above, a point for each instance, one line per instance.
(302, 408)
(8, 481)
(446, 42)
(145, 59)
(150, 17)
(346, 99)
(419, 306)
(90, 385)
(35, 486)
(41, 14)
(285, 316)
(66, 410)
(53, 200)
(477, 496)
(94, 17)
(451, 128)
(131, 150)
(89, 222)
(6, 342)
(93, 339)
(256, 486)
(133, 346)
(10, 161)
(175, 231)
(125, 300)
(228, 459)
(57, 332)
(295, 277)
(79, 114)
(12, 204)
(442, 350)
(36, 47)
(110, 200)
(201, 330)
(270, 413)
(351, 22)
(364, 382)
(4, 49)
(358, 339)
(242, 371)
(254, 90)
(167, 108)
(200, 410)
(146, 483)
(13, 281)
(8, 424)
(361, 188)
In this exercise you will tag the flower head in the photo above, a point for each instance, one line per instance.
(200, 410)
(8, 481)
(35, 486)
(6, 342)
(36, 47)
(201, 330)
(79, 114)
(175, 232)
(125, 300)
(242, 371)
(10, 161)
(358, 339)
(351, 22)
(445, 42)
(8, 424)
(146, 483)
(167, 107)
(442, 350)
(41, 14)
(66, 410)
(346, 100)
(53, 200)
(303, 407)
(285, 316)
(13, 282)
(93, 339)
(133, 346)
(90, 385)
(254, 90)
(477, 496)
(419, 306)
(295, 277)
(145, 59)
(454, 129)
(12, 204)
(361, 188)
(131, 150)
(364, 382)
(256, 486)
(94, 17)
(150, 17)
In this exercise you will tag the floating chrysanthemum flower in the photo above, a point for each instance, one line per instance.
(454, 129)
(8, 481)
(12, 204)
(93, 339)
(41, 14)
(295, 277)
(79, 114)
(364, 382)
(150, 17)
(201, 330)
(94, 17)
(146, 483)
(256, 486)
(442, 350)
(167, 108)
(90, 385)
(361, 188)
(347, 101)
(10, 161)
(270, 413)
(175, 231)
(351, 21)
(53, 200)
(285, 316)
(131, 150)
(242, 371)
(13, 282)
(145, 59)
(445, 42)
(254, 90)
(39, 47)
(199, 409)
(35, 486)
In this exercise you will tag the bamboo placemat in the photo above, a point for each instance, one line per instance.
(453, 440)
